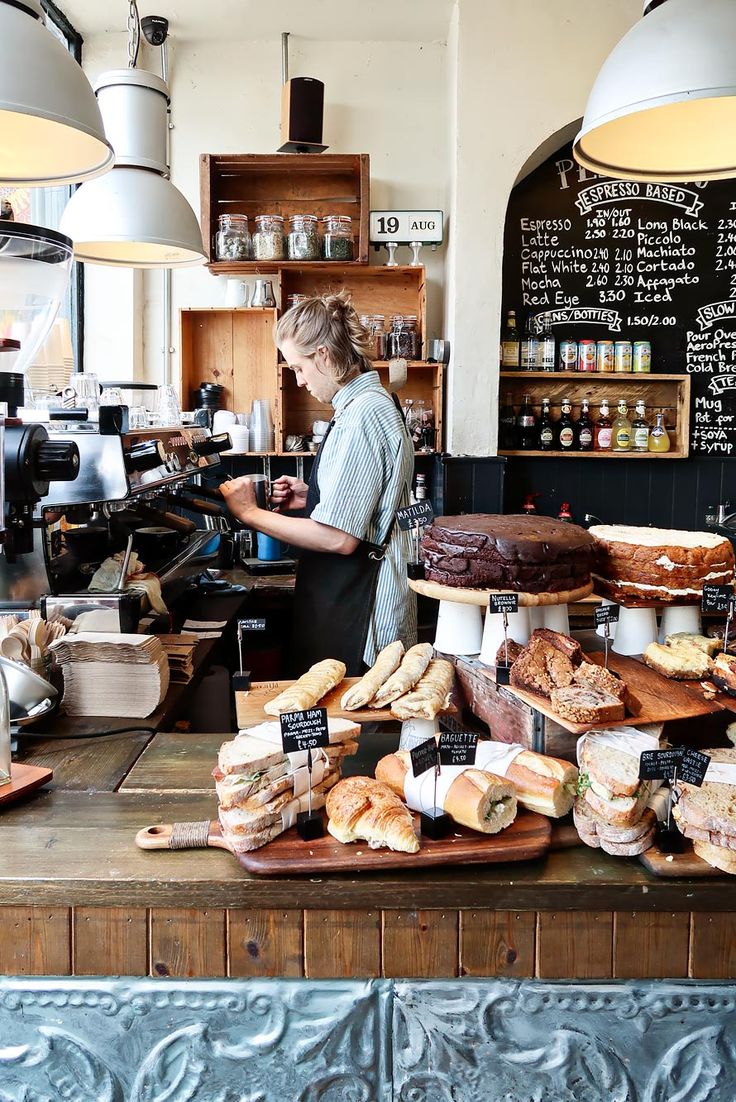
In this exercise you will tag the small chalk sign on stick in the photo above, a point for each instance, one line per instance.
(718, 598)
(306, 730)
(413, 518)
(672, 764)
(254, 623)
(433, 823)
(503, 604)
(604, 616)
(241, 679)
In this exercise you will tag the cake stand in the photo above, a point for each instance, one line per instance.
(460, 627)
(637, 622)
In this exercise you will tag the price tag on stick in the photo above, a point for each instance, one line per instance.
(458, 747)
(306, 730)
(504, 603)
(434, 824)
(413, 517)
(604, 617)
(719, 599)
(690, 765)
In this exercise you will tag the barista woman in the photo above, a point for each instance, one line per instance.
(351, 596)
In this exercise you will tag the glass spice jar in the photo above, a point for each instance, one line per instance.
(294, 300)
(233, 240)
(337, 242)
(403, 339)
(268, 240)
(303, 242)
(374, 323)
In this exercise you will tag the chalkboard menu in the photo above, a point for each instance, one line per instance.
(620, 260)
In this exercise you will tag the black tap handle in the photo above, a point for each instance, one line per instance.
(212, 445)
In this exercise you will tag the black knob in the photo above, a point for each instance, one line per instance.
(145, 456)
(57, 461)
(212, 445)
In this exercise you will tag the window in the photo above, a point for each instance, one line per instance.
(44, 207)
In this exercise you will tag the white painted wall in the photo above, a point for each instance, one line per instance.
(446, 124)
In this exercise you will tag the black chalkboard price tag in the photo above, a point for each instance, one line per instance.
(718, 598)
(424, 756)
(659, 765)
(503, 602)
(304, 730)
(252, 624)
(606, 614)
(693, 767)
(458, 747)
(421, 513)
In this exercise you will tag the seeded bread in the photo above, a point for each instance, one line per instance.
(583, 705)
(680, 662)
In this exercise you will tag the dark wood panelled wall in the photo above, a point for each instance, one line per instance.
(316, 944)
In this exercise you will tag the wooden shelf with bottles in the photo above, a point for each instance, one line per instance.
(661, 393)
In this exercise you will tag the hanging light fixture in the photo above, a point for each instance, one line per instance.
(134, 217)
(51, 129)
(663, 107)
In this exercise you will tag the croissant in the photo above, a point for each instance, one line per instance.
(309, 689)
(359, 807)
(430, 695)
(413, 665)
(387, 661)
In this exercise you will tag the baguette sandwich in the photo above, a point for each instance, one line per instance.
(475, 799)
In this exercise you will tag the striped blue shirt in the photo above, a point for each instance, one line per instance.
(364, 476)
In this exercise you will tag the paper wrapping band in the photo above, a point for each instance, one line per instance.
(720, 772)
(300, 773)
(493, 757)
(626, 739)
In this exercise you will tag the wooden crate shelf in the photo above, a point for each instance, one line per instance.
(285, 184)
(669, 394)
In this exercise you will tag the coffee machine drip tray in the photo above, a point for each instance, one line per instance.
(265, 566)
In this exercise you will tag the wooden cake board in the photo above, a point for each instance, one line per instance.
(480, 597)
(686, 864)
(23, 779)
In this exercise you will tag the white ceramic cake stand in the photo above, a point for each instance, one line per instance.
(460, 632)
(680, 618)
(416, 731)
(635, 630)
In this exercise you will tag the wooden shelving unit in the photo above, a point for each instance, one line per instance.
(669, 394)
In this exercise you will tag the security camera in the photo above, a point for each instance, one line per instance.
(155, 28)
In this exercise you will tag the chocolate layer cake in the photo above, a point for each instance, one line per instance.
(658, 564)
(525, 554)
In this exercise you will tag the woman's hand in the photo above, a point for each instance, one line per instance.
(240, 497)
(289, 493)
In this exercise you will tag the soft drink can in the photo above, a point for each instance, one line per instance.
(642, 357)
(605, 356)
(568, 355)
(622, 357)
(586, 355)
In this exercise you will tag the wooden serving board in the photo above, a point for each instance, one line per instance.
(249, 705)
(677, 864)
(460, 596)
(23, 779)
(528, 837)
(661, 699)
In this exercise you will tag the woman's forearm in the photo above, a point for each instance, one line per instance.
(301, 532)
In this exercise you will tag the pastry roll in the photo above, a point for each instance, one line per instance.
(413, 665)
(309, 689)
(388, 660)
(430, 695)
(359, 807)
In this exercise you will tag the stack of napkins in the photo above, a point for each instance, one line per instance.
(180, 653)
(105, 674)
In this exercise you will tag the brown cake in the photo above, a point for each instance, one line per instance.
(525, 554)
(658, 564)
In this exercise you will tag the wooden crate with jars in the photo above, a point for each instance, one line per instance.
(665, 399)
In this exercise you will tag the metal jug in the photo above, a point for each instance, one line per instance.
(263, 293)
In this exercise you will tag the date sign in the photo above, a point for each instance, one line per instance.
(420, 513)
(405, 226)
(503, 602)
(458, 747)
(304, 730)
(718, 598)
(606, 614)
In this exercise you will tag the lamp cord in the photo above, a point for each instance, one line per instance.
(134, 34)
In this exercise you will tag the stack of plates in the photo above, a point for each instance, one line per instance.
(106, 674)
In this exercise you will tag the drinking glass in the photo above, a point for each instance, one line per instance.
(87, 388)
(137, 417)
(169, 411)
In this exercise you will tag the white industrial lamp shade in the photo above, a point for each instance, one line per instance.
(663, 106)
(51, 128)
(133, 217)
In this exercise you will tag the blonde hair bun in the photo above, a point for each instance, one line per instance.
(331, 322)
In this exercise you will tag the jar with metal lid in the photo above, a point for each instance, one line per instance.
(268, 240)
(337, 242)
(375, 324)
(403, 339)
(303, 242)
(294, 300)
(233, 241)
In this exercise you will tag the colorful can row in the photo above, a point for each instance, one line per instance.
(605, 356)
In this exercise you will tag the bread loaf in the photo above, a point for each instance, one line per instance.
(387, 662)
(309, 689)
(413, 665)
(582, 705)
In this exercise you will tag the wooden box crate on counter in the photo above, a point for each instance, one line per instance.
(285, 184)
(235, 349)
(668, 394)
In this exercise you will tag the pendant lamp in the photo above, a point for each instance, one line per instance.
(663, 107)
(134, 216)
(51, 129)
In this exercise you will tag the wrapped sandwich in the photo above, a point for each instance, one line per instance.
(707, 814)
(611, 810)
(249, 829)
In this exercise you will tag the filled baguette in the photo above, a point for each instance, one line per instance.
(309, 689)
(413, 665)
(387, 662)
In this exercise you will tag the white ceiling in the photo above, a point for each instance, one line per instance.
(338, 20)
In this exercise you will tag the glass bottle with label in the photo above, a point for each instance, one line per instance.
(602, 429)
(510, 344)
(526, 426)
(566, 427)
(584, 428)
(547, 348)
(640, 429)
(546, 428)
(659, 438)
(507, 425)
(529, 347)
(420, 487)
(621, 441)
